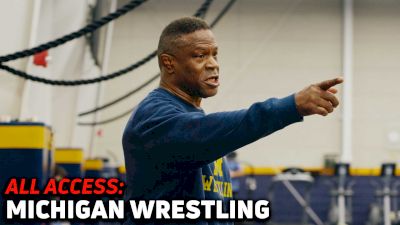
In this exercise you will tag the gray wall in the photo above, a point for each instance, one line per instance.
(376, 79)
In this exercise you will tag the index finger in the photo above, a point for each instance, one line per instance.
(325, 85)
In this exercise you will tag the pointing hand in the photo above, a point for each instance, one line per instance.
(318, 98)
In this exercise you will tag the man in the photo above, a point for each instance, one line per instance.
(172, 149)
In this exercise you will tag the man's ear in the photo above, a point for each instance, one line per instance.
(167, 62)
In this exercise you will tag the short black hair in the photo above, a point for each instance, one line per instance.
(172, 32)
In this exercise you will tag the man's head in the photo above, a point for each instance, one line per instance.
(187, 56)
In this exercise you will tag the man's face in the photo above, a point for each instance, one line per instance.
(196, 66)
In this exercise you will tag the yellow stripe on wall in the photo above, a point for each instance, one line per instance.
(322, 171)
(262, 170)
(122, 170)
(24, 137)
(94, 164)
(69, 156)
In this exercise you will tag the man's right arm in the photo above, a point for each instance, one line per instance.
(197, 139)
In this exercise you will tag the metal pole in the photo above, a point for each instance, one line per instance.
(386, 206)
(104, 69)
(341, 202)
(342, 174)
(346, 154)
(386, 194)
(297, 196)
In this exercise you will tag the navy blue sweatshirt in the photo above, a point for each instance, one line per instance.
(173, 150)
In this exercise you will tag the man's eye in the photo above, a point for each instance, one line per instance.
(201, 56)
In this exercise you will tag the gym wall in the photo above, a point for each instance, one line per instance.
(267, 49)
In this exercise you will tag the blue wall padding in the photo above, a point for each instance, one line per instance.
(286, 210)
(50, 163)
(27, 163)
(93, 173)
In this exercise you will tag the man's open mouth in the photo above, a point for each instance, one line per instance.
(212, 81)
